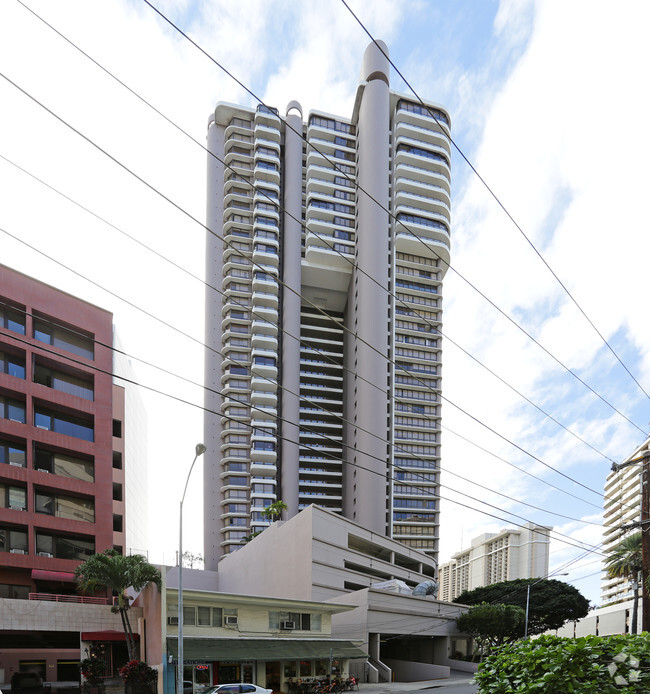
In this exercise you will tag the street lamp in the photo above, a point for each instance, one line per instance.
(528, 598)
(199, 450)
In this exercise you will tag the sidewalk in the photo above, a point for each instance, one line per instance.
(455, 677)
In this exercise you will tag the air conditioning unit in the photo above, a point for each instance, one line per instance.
(44, 554)
(40, 469)
(172, 620)
(230, 620)
(15, 464)
(287, 625)
(18, 551)
(16, 508)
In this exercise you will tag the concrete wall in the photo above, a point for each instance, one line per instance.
(605, 621)
(34, 615)
(305, 558)
(407, 671)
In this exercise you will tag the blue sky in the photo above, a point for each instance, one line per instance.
(547, 101)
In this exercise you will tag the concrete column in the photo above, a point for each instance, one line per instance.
(290, 317)
(369, 295)
(212, 494)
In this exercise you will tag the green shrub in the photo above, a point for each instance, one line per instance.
(553, 665)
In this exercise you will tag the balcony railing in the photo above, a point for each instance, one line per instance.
(70, 598)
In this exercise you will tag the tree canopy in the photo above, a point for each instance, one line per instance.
(492, 625)
(624, 560)
(552, 603)
(112, 570)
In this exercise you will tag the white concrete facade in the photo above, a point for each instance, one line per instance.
(319, 555)
(494, 557)
(622, 507)
(604, 621)
(323, 313)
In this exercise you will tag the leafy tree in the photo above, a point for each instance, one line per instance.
(617, 664)
(274, 511)
(624, 560)
(189, 559)
(492, 625)
(112, 570)
(552, 603)
(93, 670)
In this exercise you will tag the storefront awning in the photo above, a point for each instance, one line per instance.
(263, 649)
(54, 576)
(107, 636)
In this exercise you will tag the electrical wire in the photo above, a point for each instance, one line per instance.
(398, 365)
(393, 217)
(302, 444)
(499, 203)
(345, 328)
(574, 480)
(303, 226)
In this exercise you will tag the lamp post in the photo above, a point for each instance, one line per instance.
(528, 598)
(199, 450)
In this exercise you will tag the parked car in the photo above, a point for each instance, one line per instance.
(26, 683)
(241, 688)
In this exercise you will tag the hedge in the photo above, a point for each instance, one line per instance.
(552, 665)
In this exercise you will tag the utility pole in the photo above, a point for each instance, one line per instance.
(644, 524)
(645, 543)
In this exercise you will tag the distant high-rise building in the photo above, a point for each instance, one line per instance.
(330, 242)
(495, 557)
(622, 508)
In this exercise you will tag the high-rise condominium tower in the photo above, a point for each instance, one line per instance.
(329, 243)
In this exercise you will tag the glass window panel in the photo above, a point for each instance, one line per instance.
(44, 543)
(75, 509)
(74, 467)
(72, 386)
(44, 503)
(42, 420)
(73, 548)
(18, 540)
(189, 615)
(217, 617)
(17, 498)
(16, 411)
(203, 616)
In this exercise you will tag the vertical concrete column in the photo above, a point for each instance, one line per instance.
(212, 495)
(290, 317)
(368, 292)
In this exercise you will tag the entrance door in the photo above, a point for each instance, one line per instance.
(273, 675)
(196, 678)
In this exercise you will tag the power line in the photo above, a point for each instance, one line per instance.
(304, 445)
(345, 328)
(408, 372)
(500, 204)
(282, 387)
(392, 216)
(415, 311)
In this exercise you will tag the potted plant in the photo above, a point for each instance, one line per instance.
(93, 671)
(139, 678)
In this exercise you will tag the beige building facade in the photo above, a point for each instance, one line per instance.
(494, 557)
(319, 555)
(622, 508)
(331, 238)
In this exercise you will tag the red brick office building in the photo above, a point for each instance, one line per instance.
(61, 466)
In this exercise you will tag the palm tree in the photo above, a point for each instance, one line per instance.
(624, 561)
(112, 570)
(274, 511)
